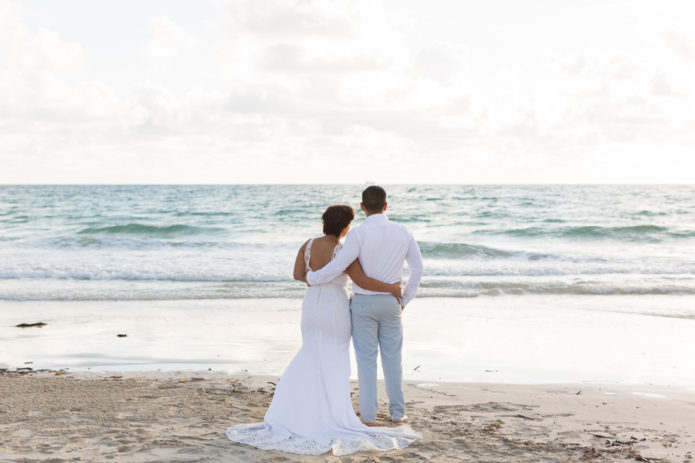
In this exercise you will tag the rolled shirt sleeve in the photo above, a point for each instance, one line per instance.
(414, 259)
(344, 257)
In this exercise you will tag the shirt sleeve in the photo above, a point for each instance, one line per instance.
(414, 259)
(344, 257)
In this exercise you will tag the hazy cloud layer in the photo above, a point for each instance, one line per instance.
(397, 92)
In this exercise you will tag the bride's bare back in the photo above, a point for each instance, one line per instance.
(322, 251)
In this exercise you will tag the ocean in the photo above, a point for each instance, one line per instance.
(225, 242)
(522, 284)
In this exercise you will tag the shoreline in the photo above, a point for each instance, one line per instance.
(515, 340)
(146, 416)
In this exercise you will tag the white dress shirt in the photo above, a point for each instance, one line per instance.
(382, 247)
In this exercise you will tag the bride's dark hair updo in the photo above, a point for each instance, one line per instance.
(336, 218)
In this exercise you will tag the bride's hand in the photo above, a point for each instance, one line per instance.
(396, 291)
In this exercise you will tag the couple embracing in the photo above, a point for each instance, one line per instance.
(311, 411)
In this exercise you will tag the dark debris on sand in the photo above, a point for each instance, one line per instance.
(17, 372)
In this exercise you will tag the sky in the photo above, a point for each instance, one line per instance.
(392, 91)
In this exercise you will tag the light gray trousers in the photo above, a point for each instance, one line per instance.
(376, 326)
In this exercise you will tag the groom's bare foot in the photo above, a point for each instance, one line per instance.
(402, 420)
(368, 424)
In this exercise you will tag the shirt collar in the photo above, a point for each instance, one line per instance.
(376, 218)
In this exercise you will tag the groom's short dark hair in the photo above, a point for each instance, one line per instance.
(374, 198)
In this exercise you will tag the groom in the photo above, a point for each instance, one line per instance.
(381, 246)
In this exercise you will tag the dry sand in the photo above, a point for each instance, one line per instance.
(167, 416)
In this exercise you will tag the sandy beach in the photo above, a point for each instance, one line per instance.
(181, 416)
(146, 320)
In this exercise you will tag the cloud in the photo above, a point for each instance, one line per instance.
(441, 61)
(276, 19)
(257, 90)
(661, 85)
(40, 73)
(167, 40)
(681, 45)
(292, 58)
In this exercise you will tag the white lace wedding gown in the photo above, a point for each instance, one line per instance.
(311, 412)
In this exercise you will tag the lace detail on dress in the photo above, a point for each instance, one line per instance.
(265, 437)
(337, 248)
(307, 254)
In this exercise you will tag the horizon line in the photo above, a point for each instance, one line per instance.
(347, 184)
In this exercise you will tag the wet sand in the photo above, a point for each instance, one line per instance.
(504, 339)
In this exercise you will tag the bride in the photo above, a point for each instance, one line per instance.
(311, 412)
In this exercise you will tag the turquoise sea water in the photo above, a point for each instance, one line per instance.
(226, 242)
(526, 284)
